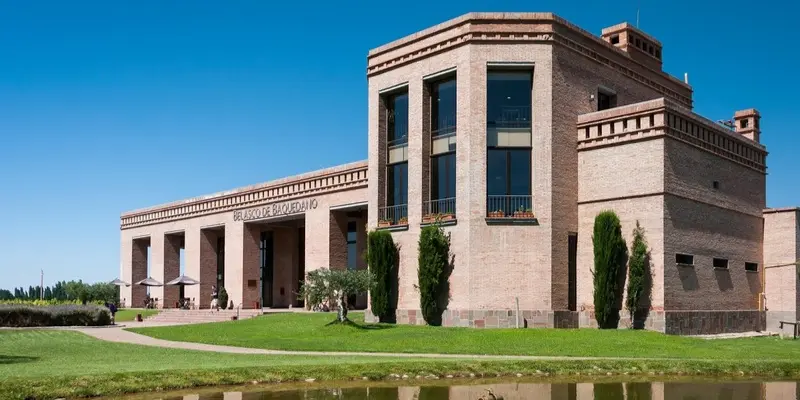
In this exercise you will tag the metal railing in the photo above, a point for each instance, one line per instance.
(512, 117)
(393, 215)
(439, 208)
(446, 125)
(508, 206)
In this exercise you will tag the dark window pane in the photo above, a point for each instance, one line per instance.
(520, 168)
(443, 176)
(397, 119)
(508, 99)
(397, 178)
(496, 172)
(443, 107)
(352, 256)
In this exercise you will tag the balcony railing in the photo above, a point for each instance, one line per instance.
(393, 215)
(439, 210)
(509, 207)
(512, 117)
(446, 125)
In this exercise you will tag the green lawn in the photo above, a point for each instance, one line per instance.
(46, 364)
(129, 314)
(309, 332)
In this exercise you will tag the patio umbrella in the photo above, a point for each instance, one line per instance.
(120, 282)
(149, 282)
(183, 280)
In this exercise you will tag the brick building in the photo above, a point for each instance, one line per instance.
(514, 130)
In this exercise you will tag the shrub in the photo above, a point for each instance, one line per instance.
(638, 275)
(51, 302)
(325, 287)
(433, 272)
(609, 263)
(222, 298)
(381, 259)
(63, 315)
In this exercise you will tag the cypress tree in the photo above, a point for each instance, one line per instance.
(381, 259)
(432, 272)
(638, 273)
(609, 263)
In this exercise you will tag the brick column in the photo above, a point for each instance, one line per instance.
(172, 268)
(251, 266)
(338, 240)
(208, 266)
(138, 272)
(361, 248)
(426, 146)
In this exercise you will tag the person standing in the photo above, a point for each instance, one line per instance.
(214, 298)
(113, 308)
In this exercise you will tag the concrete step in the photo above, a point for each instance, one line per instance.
(200, 316)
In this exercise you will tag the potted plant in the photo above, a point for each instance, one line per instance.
(429, 218)
(523, 213)
(497, 214)
(448, 216)
(403, 221)
(384, 223)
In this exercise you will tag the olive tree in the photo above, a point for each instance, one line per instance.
(332, 287)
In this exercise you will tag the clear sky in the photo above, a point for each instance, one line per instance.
(107, 106)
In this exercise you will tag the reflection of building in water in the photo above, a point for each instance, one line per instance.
(514, 131)
(536, 391)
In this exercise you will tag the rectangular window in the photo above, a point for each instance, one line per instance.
(508, 99)
(685, 259)
(720, 263)
(220, 262)
(606, 100)
(397, 119)
(751, 267)
(508, 179)
(443, 107)
(443, 176)
(397, 190)
(352, 249)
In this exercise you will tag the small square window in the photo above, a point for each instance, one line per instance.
(720, 263)
(605, 100)
(715, 184)
(751, 267)
(684, 259)
(743, 123)
(615, 39)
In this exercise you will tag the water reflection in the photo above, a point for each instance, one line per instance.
(528, 391)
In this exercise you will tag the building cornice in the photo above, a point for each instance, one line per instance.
(521, 28)
(343, 177)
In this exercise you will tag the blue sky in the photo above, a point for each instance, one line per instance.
(107, 106)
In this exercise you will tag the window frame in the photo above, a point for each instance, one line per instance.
(748, 264)
(718, 262)
(678, 258)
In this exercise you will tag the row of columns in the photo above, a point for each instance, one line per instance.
(238, 249)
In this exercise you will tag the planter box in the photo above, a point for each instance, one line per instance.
(497, 214)
(523, 214)
(383, 224)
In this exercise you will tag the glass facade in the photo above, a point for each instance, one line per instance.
(508, 99)
(397, 175)
(443, 176)
(443, 107)
(397, 119)
(352, 248)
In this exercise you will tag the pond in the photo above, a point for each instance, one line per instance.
(509, 390)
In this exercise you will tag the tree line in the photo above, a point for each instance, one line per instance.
(66, 291)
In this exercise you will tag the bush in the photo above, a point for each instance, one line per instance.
(609, 265)
(638, 276)
(433, 272)
(222, 298)
(51, 302)
(63, 315)
(381, 259)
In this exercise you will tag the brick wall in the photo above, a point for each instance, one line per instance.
(781, 247)
(172, 268)
(251, 266)
(139, 271)
(208, 265)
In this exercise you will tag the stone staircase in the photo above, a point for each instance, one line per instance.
(175, 316)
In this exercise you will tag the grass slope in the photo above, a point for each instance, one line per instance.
(309, 332)
(129, 314)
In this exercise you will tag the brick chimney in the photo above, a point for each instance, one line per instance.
(748, 124)
(641, 46)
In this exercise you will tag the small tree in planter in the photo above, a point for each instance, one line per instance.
(638, 275)
(334, 287)
(609, 264)
(222, 298)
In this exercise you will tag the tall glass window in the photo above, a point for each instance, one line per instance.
(397, 175)
(443, 107)
(397, 119)
(443, 174)
(508, 99)
(352, 248)
(508, 156)
(220, 262)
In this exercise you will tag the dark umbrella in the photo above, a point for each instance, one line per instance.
(183, 280)
(120, 282)
(149, 282)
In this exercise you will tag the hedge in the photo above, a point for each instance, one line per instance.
(63, 315)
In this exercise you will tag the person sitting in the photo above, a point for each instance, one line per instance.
(214, 298)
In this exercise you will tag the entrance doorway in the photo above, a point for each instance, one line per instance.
(267, 268)
(572, 273)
